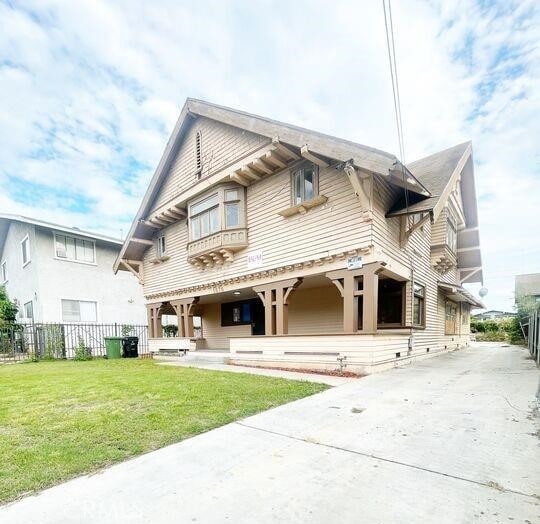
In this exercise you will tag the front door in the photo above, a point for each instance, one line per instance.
(257, 317)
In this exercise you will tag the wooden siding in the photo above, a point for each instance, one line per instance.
(335, 225)
(315, 310)
(221, 145)
(417, 251)
(214, 335)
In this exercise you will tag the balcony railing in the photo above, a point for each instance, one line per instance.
(218, 248)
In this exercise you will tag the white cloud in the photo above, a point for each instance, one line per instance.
(91, 90)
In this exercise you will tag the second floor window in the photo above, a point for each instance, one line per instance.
(161, 247)
(76, 249)
(305, 182)
(223, 209)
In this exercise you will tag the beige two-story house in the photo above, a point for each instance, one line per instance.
(292, 248)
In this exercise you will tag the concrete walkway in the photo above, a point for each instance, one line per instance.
(293, 375)
(451, 439)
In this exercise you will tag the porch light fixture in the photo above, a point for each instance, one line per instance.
(236, 293)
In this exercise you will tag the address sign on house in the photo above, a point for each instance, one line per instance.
(255, 259)
(354, 263)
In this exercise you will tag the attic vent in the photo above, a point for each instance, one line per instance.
(198, 152)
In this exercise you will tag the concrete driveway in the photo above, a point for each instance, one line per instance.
(450, 439)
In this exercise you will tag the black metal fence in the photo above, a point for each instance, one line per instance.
(60, 341)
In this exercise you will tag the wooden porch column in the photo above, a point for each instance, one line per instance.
(155, 329)
(352, 284)
(184, 313)
(275, 297)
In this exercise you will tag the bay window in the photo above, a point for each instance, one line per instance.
(220, 210)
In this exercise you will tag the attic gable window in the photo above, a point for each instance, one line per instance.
(198, 152)
(451, 233)
(305, 182)
(161, 247)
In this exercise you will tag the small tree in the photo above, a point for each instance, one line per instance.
(8, 309)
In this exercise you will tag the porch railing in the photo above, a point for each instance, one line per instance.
(60, 341)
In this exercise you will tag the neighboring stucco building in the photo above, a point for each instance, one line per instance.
(298, 249)
(63, 274)
(528, 285)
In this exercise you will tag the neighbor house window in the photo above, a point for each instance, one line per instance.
(305, 183)
(223, 209)
(28, 310)
(79, 311)
(3, 272)
(75, 249)
(451, 234)
(419, 305)
(161, 246)
(25, 250)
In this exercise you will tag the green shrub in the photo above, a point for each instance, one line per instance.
(170, 331)
(82, 351)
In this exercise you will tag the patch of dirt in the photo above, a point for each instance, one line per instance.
(335, 373)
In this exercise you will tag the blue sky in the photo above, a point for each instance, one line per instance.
(90, 91)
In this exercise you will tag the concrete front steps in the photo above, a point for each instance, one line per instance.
(213, 356)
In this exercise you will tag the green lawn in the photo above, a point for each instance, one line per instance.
(61, 419)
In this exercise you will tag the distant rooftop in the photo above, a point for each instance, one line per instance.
(5, 219)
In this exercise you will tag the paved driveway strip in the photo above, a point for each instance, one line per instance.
(450, 439)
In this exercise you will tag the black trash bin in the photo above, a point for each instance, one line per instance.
(130, 347)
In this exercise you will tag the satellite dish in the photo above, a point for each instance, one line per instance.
(483, 292)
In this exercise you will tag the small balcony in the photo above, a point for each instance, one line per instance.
(443, 259)
(218, 248)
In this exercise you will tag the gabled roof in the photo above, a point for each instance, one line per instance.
(5, 220)
(364, 158)
(436, 172)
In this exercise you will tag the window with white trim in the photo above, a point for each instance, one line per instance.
(28, 309)
(219, 210)
(305, 182)
(25, 250)
(79, 311)
(451, 233)
(3, 272)
(75, 249)
(161, 247)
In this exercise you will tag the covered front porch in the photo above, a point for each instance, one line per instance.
(318, 313)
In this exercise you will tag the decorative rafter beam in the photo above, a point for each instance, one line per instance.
(149, 224)
(262, 166)
(128, 264)
(246, 171)
(284, 150)
(240, 179)
(274, 159)
(312, 157)
(361, 186)
(144, 241)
